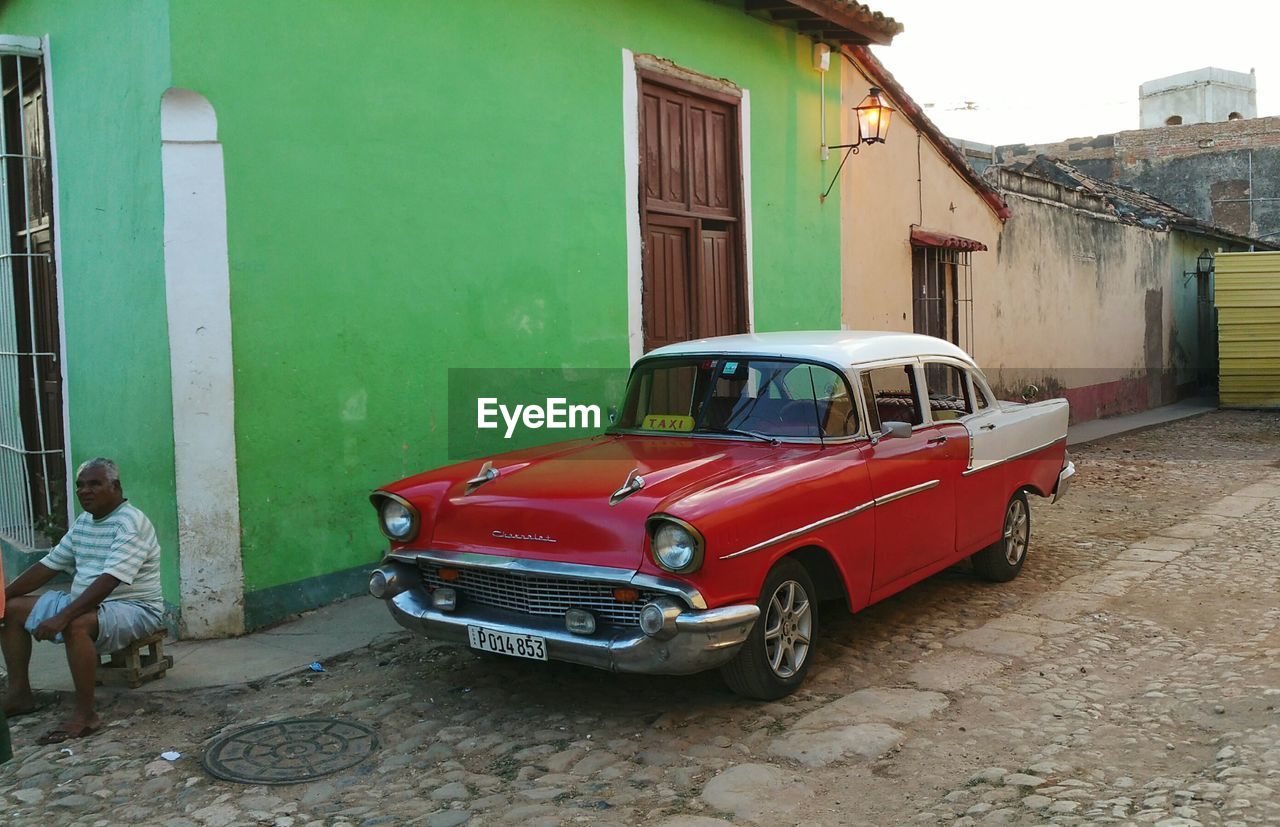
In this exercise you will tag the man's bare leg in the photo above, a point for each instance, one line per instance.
(82, 657)
(16, 642)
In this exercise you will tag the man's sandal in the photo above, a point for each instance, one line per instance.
(66, 732)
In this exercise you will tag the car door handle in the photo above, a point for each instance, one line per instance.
(986, 427)
(937, 440)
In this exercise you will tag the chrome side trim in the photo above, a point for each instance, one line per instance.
(906, 492)
(803, 529)
(791, 535)
(577, 571)
(1025, 453)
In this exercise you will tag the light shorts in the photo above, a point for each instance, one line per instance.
(120, 622)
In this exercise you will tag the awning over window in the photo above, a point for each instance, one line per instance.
(933, 238)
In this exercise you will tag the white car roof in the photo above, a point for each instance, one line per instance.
(839, 347)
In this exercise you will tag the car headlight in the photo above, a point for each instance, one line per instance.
(676, 545)
(397, 517)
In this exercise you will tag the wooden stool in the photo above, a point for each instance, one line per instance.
(131, 665)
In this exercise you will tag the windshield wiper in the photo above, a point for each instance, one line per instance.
(772, 440)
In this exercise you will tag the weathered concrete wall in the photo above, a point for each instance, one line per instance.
(1085, 308)
(885, 189)
(1225, 173)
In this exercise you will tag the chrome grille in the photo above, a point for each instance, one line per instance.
(538, 594)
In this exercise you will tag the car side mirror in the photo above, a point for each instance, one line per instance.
(892, 430)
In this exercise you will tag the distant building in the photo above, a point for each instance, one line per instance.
(1201, 149)
(980, 156)
(1227, 174)
(1206, 95)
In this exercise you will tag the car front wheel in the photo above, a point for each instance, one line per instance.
(775, 658)
(1001, 561)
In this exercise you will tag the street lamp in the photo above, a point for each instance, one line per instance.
(1204, 266)
(1204, 263)
(872, 117)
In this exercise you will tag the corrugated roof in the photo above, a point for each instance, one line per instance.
(843, 22)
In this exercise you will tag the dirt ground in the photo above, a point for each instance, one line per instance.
(1130, 675)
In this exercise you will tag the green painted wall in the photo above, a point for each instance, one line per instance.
(110, 66)
(414, 186)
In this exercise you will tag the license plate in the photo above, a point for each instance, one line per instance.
(506, 643)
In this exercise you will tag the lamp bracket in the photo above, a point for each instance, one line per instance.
(851, 149)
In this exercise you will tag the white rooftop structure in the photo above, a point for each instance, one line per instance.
(1208, 95)
(835, 347)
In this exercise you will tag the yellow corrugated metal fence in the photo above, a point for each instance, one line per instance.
(1247, 295)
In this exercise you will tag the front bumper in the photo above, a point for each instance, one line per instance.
(702, 639)
(1064, 481)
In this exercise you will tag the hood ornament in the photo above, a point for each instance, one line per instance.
(487, 474)
(633, 484)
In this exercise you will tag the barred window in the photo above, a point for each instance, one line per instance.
(942, 287)
(33, 465)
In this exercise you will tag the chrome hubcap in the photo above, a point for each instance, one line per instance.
(1016, 530)
(788, 625)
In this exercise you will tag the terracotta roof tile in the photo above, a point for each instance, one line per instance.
(845, 22)
(1126, 204)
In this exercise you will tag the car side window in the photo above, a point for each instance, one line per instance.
(869, 396)
(980, 401)
(894, 394)
(818, 398)
(836, 409)
(948, 392)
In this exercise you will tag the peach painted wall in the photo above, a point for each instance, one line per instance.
(885, 189)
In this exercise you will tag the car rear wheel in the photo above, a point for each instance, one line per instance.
(776, 656)
(1001, 561)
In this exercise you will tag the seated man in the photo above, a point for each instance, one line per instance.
(112, 552)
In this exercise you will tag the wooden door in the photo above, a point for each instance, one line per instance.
(668, 259)
(694, 283)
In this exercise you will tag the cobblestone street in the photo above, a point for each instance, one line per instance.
(1130, 675)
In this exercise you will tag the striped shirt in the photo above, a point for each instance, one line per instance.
(121, 544)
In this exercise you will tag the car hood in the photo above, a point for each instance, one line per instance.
(554, 504)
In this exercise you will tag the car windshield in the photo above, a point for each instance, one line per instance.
(738, 396)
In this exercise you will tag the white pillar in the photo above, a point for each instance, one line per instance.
(198, 295)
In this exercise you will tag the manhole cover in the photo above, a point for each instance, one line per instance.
(287, 752)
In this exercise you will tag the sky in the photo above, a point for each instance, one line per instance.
(1035, 71)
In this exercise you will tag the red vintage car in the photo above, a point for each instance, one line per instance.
(743, 479)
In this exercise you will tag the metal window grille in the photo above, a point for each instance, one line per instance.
(942, 281)
(33, 472)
